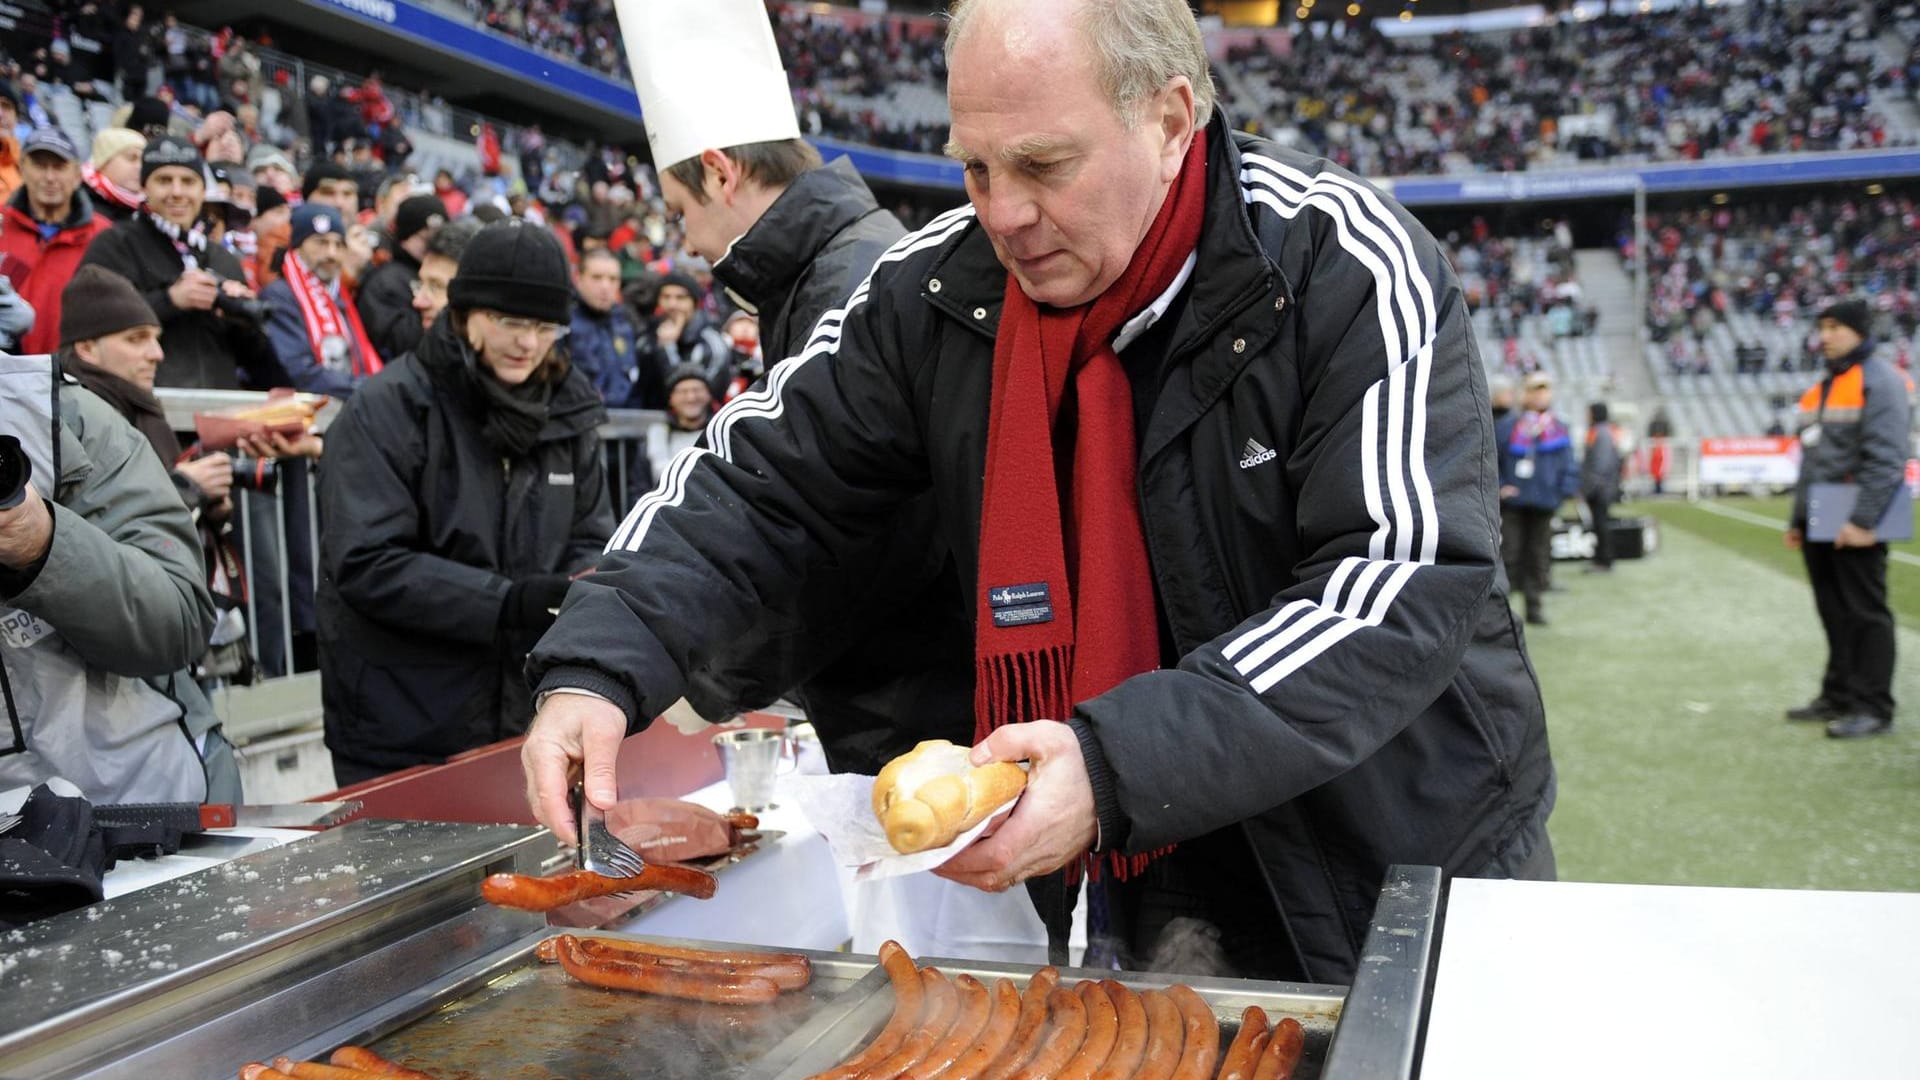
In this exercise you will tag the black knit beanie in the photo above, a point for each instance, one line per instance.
(323, 170)
(1851, 313)
(418, 212)
(166, 151)
(98, 302)
(515, 269)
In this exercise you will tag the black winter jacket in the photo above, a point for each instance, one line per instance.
(425, 527)
(205, 349)
(1318, 494)
(385, 300)
(878, 643)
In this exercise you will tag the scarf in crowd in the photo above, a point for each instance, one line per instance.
(1066, 605)
(190, 243)
(105, 189)
(329, 324)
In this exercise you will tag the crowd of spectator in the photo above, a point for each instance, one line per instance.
(1779, 262)
(1514, 278)
(1687, 84)
(1697, 82)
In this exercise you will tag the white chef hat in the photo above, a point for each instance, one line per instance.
(708, 74)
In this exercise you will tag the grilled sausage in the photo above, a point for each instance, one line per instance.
(359, 1057)
(544, 894)
(255, 1070)
(1130, 1041)
(993, 1038)
(787, 975)
(1066, 1033)
(943, 1004)
(1201, 1049)
(1166, 1033)
(1283, 1051)
(616, 974)
(975, 1003)
(908, 1000)
(1239, 1062)
(742, 820)
(1030, 1029)
(1103, 1030)
(312, 1070)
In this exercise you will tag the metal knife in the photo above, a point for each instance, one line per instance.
(197, 817)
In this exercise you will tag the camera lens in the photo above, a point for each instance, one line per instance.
(256, 474)
(15, 470)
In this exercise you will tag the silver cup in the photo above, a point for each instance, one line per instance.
(751, 758)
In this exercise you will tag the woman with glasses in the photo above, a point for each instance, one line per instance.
(462, 489)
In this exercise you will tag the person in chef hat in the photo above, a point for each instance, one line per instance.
(790, 238)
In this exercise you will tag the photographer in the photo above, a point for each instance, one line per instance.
(213, 324)
(108, 606)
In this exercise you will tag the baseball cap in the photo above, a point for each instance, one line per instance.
(53, 141)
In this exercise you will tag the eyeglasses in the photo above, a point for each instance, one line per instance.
(421, 286)
(516, 325)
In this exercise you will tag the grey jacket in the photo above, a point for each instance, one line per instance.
(1855, 427)
(1600, 467)
(106, 626)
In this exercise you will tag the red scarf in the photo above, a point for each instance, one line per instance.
(326, 320)
(106, 190)
(1066, 609)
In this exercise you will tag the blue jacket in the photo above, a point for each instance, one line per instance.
(1543, 440)
(287, 329)
(606, 348)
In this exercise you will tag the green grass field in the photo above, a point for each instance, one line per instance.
(1665, 683)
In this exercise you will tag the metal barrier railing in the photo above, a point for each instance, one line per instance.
(271, 529)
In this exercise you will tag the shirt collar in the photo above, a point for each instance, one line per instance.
(1131, 330)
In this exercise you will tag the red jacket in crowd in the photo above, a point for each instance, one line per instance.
(50, 262)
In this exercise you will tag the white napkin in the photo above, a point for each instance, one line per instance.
(840, 807)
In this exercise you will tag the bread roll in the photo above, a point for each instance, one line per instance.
(931, 794)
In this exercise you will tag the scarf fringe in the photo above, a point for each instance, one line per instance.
(1016, 688)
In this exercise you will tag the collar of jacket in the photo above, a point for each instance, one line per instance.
(123, 395)
(1861, 354)
(401, 256)
(79, 213)
(576, 406)
(762, 266)
(608, 316)
(1234, 292)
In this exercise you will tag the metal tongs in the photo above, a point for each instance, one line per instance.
(600, 851)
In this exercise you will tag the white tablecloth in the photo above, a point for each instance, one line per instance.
(1570, 979)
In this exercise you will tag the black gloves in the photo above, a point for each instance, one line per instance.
(531, 602)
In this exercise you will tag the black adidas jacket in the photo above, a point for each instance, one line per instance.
(877, 646)
(1351, 688)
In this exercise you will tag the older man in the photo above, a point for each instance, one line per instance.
(1207, 430)
(48, 224)
(315, 326)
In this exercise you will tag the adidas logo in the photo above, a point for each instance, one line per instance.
(1254, 454)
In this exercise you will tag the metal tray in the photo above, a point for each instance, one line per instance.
(520, 1019)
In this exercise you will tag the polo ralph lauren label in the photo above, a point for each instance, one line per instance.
(1021, 605)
